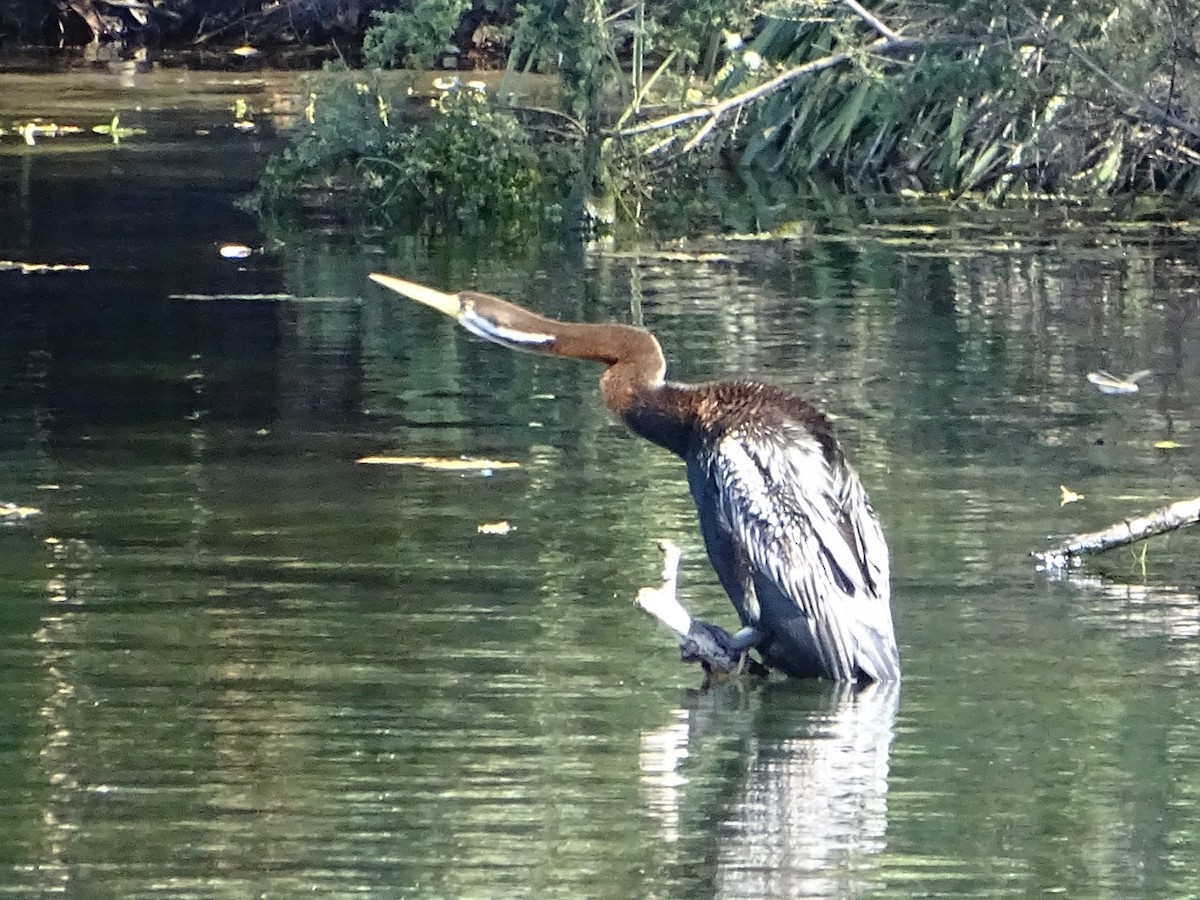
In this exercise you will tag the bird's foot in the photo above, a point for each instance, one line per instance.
(746, 638)
(719, 652)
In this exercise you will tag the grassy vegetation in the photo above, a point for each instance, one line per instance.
(1076, 99)
(466, 165)
(981, 99)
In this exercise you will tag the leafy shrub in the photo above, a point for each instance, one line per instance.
(470, 166)
(419, 33)
(1086, 98)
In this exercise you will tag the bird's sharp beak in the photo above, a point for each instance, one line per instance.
(447, 304)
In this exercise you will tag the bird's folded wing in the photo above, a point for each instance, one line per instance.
(804, 523)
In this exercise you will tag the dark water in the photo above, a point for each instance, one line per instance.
(234, 662)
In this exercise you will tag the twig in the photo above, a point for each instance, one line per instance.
(646, 88)
(1136, 528)
(716, 110)
(551, 114)
(867, 16)
(710, 645)
(700, 135)
(1145, 105)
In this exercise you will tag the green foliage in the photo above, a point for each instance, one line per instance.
(697, 29)
(539, 35)
(415, 36)
(1070, 97)
(345, 121)
(994, 98)
(470, 165)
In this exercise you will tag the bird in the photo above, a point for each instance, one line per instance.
(785, 520)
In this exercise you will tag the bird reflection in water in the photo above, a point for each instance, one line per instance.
(785, 520)
(805, 814)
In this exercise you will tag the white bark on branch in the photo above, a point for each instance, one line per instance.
(714, 111)
(889, 41)
(709, 645)
(867, 16)
(1135, 528)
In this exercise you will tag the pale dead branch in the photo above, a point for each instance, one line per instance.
(1136, 528)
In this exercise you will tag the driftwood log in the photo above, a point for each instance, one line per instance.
(1135, 528)
(710, 645)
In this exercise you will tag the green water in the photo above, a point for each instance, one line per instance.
(235, 662)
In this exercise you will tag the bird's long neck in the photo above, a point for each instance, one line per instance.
(633, 385)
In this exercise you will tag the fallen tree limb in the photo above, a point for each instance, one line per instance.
(867, 16)
(1128, 531)
(709, 645)
(716, 110)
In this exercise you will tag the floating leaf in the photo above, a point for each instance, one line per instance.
(1108, 383)
(28, 268)
(1068, 495)
(31, 131)
(500, 528)
(262, 298)
(11, 512)
(235, 251)
(1167, 445)
(114, 130)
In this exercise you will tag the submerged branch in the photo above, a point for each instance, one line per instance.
(709, 645)
(1136, 528)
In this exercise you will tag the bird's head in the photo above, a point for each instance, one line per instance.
(488, 317)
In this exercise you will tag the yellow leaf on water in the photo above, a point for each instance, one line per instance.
(1167, 445)
(31, 268)
(500, 528)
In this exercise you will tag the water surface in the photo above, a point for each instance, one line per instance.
(233, 661)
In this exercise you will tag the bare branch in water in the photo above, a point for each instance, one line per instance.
(709, 645)
(1120, 534)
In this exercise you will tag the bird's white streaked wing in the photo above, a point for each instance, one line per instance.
(806, 525)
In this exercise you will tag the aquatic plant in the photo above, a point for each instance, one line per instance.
(468, 165)
(415, 36)
(1071, 99)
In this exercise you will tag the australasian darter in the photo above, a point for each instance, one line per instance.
(785, 519)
